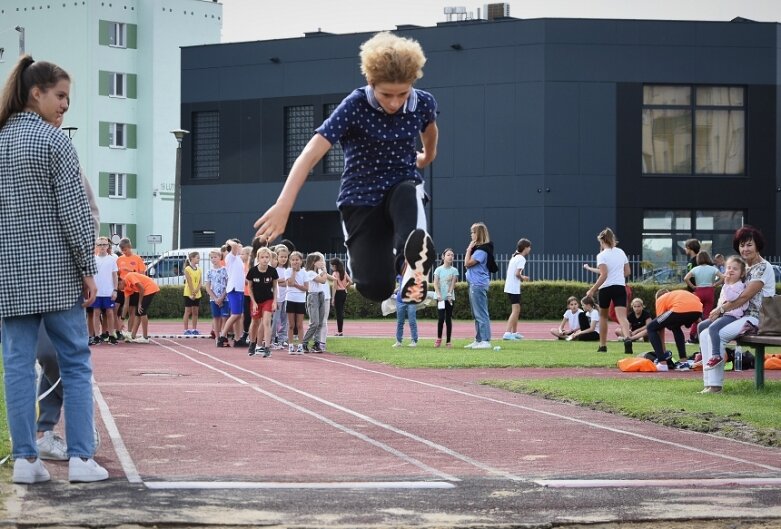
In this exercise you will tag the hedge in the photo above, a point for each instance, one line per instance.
(540, 300)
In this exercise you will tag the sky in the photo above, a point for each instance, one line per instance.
(248, 20)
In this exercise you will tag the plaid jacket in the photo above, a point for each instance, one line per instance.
(47, 237)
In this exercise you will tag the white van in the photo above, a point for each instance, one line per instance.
(168, 269)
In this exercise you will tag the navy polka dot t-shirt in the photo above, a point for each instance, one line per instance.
(379, 148)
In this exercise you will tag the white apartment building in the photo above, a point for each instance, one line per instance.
(123, 57)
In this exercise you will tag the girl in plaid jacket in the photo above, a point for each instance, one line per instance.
(41, 192)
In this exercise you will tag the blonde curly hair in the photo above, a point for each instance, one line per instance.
(387, 58)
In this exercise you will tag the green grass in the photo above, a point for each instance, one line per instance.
(740, 411)
(524, 353)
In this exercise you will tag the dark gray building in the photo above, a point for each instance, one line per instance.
(550, 129)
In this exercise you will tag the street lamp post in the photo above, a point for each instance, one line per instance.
(179, 135)
(20, 29)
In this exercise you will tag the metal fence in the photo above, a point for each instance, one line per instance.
(557, 267)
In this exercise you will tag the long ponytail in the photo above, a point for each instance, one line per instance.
(25, 75)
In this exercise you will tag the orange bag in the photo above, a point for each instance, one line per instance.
(636, 364)
(773, 362)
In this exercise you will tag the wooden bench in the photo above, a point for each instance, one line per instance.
(758, 343)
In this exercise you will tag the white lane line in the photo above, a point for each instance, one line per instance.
(364, 485)
(116, 439)
(559, 416)
(431, 444)
(334, 424)
(660, 483)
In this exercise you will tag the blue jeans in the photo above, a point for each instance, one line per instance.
(406, 311)
(68, 332)
(49, 407)
(478, 300)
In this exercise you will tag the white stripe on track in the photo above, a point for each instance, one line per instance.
(279, 485)
(116, 439)
(658, 483)
(334, 424)
(431, 444)
(560, 416)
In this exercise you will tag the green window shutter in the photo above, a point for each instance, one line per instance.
(104, 81)
(103, 26)
(103, 136)
(131, 232)
(131, 183)
(104, 230)
(131, 136)
(132, 36)
(132, 86)
(103, 185)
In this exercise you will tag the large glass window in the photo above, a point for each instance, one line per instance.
(206, 145)
(693, 130)
(666, 231)
(299, 127)
(333, 163)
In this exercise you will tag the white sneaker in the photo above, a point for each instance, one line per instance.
(52, 446)
(28, 473)
(412, 344)
(291, 349)
(85, 471)
(509, 336)
(518, 336)
(397, 344)
(471, 345)
(140, 339)
(482, 345)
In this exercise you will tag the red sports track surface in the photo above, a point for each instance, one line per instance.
(181, 413)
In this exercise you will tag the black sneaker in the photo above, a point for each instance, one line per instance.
(317, 348)
(266, 352)
(420, 255)
(112, 339)
(94, 340)
(222, 341)
(251, 349)
(305, 347)
(627, 347)
(602, 349)
(240, 343)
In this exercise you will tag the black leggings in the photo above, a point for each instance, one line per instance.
(446, 317)
(340, 296)
(247, 314)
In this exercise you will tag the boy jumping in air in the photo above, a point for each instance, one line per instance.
(381, 193)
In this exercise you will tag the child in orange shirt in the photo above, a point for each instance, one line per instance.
(674, 309)
(134, 283)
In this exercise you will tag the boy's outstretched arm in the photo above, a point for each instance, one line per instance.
(429, 138)
(272, 223)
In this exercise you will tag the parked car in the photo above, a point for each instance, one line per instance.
(663, 275)
(168, 269)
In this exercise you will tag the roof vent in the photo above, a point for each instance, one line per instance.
(494, 11)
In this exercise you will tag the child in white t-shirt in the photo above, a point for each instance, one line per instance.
(590, 334)
(512, 286)
(573, 320)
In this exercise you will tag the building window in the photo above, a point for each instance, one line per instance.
(299, 126)
(333, 163)
(694, 130)
(206, 145)
(666, 231)
(117, 85)
(117, 35)
(204, 239)
(118, 229)
(116, 135)
(117, 185)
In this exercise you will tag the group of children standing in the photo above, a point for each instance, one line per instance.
(275, 287)
(124, 292)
